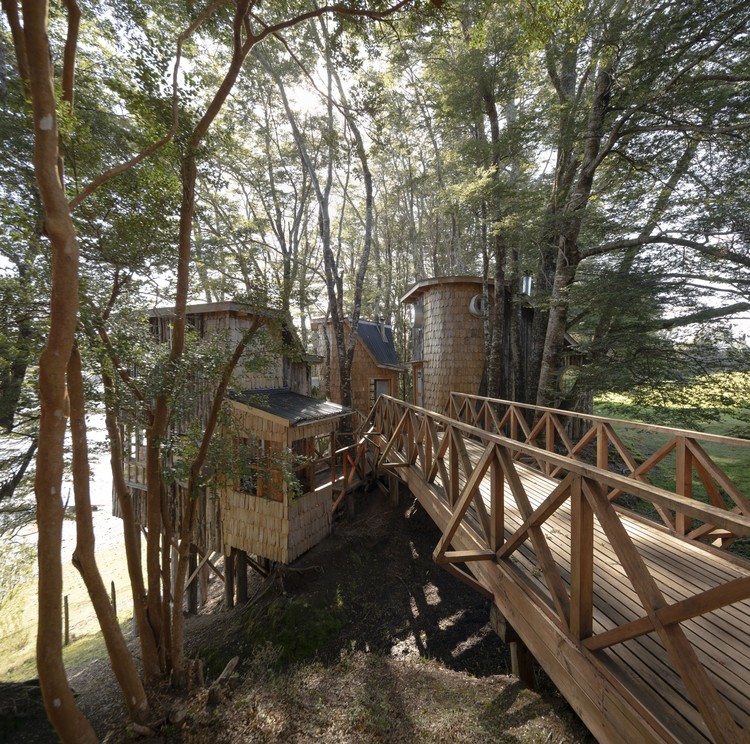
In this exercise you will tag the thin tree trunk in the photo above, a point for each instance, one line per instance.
(131, 537)
(84, 560)
(495, 371)
(179, 678)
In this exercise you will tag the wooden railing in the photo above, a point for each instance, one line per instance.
(453, 456)
(680, 456)
(339, 465)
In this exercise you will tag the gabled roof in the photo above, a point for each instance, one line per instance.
(296, 409)
(383, 351)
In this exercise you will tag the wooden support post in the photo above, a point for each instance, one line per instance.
(522, 664)
(229, 580)
(114, 598)
(549, 442)
(393, 490)
(453, 483)
(192, 590)
(203, 576)
(497, 505)
(66, 616)
(602, 447)
(521, 660)
(241, 577)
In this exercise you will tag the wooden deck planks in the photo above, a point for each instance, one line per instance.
(721, 639)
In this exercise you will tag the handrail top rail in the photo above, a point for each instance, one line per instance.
(669, 430)
(699, 510)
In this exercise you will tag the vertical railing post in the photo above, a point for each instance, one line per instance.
(581, 562)
(497, 504)
(549, 439)
(453, 485)
(683, 482)
(602, 447)
(427, 449)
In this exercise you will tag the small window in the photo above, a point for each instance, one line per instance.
(478, 306)
(380, 387)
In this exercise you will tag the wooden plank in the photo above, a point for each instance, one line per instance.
(700, 604)
(465, 556)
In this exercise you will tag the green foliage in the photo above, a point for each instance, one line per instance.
(670, 394)
(297, 629)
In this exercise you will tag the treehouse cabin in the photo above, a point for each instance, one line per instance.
(448, 348)
(375, 367)
(277, 503)
(448, 340)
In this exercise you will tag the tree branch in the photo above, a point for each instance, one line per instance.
(156, 146)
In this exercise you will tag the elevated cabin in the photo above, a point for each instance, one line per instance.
(375, 367)
(281, 506)
(448, 339)
(448, 347)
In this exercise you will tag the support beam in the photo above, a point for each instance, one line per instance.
(229, 580)
(394, 490)
(241, 577)
(192, 589)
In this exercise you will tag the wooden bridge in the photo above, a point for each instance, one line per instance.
(642, 623)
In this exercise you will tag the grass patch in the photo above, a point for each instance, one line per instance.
(79, 653)
(733, 460)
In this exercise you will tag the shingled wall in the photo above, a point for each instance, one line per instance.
(453, 343)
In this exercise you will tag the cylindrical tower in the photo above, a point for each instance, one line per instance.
(449, 351)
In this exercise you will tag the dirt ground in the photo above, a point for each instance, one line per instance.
(372, 606)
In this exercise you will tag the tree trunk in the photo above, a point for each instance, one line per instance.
(131, 536)
(59, 703)
(123, 665)
(568, 254)
(495, 359)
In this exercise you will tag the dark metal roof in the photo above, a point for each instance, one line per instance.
(296, 408)
(384, 352)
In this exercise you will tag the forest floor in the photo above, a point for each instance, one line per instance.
(363, 639)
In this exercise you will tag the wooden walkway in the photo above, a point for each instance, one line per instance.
(643, 625)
